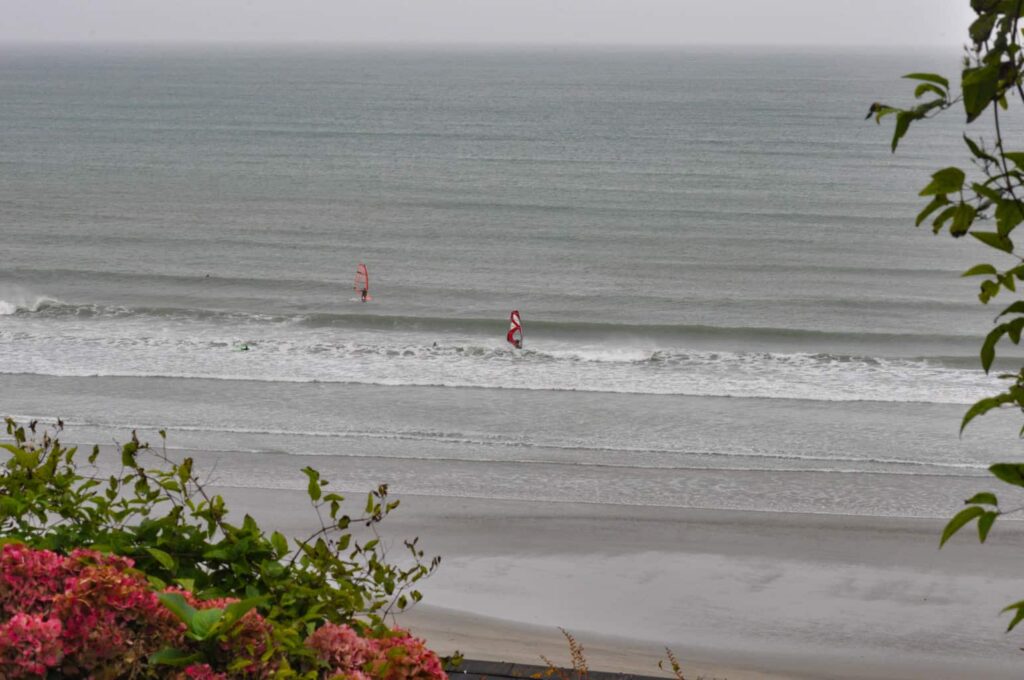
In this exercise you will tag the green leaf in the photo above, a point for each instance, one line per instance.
(925, 88)
(985, 524)
(173, 657)
(980, 270)
(932, 206)
(280, 543)
(987, 192)
(903, 120)
(1019, 606)
(1011, 473)
(186, 583)
(980, 407)
(165, 560)
(204, 622)
(959, 520)
(988, 348)
(1008, 216)
(929, 78)
(946, 181)
(242, 663)
(994, 240)
(1016, 308)
(313, 489)
(1016, 156)
(221, 554)
(979, 87)
(977, 150)
(272, 570)
(178, 606)
(963, 218)
(984, 498)
(128, 452)
(237, 610)
(981, 29)
(943, 217)
(989, 289)
(23, 458)
(1008, 281)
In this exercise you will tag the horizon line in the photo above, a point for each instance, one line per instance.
(405, 44)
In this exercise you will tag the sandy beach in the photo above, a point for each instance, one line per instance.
(734, 594)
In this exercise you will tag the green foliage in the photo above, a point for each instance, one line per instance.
(156, 511)
(209, 631)
(992, 74)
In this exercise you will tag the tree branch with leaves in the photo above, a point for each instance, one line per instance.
(987, 205)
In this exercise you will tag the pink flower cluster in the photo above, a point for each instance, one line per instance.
(29, 645)
(93, 615)
(395, 656)
(81, 614)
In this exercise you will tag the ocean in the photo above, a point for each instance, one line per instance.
(724, 300)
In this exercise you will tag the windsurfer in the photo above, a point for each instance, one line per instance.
(515, 330)
(362, 283)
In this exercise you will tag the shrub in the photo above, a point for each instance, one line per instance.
(177, 532)
(93, 616)
(166, 578)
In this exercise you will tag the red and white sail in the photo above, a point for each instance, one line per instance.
(515, 329)
(362, 281)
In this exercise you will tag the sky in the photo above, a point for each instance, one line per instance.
(892, 23)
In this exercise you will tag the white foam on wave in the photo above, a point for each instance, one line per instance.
(602, 354)
(14, 299)
(87, 345)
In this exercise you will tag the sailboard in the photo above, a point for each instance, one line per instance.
(515, 330)
(362, 283)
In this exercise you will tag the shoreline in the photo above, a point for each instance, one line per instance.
(734, 594)
(484, 638)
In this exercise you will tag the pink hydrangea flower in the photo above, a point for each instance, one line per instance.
(400, 656)
(340, 646)
(92, 615)
(29, 646)
(203, 672)
(29, 579)
(111, 618)
(397, 656)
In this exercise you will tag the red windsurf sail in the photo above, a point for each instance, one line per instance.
(362, 283)
(515, 330)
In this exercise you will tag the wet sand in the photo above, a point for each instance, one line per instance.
(733, 594)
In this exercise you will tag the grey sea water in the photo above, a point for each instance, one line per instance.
(725, 303)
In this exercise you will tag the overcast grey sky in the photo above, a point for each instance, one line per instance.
(570, 22)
